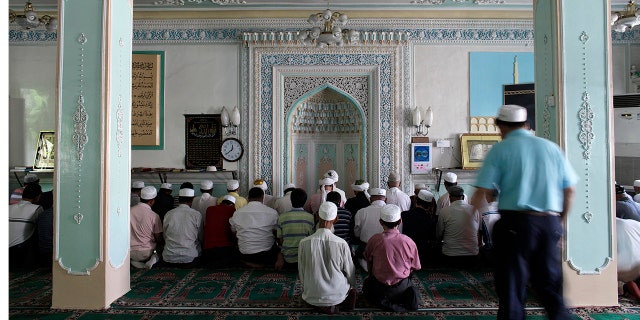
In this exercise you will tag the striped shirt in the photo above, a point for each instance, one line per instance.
(293, 226)
(344, 227)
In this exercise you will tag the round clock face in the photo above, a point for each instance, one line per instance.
(231, 149)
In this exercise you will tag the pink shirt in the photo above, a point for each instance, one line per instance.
(144, 223)
(392, 256)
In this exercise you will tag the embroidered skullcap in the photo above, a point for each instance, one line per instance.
(137, 184)
(456, 191)
(326, 182)
(30, 177)
(166, 186)
(636, 183)
(148, 193)
(390, 213)
(450, 177)
(360, 185)
(333, 175)
(378, 192)
(233, 185)
(229, 197)
(289, 186)
(328, 211)
(206, 185)
(512, 113)
(394, 177)
(186, 192)
(420, 186)
(425, 195)
(259, 183)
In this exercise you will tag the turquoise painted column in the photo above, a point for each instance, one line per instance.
(574, 103)
(91, 267)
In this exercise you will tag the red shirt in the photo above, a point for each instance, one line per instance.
(392, 255)
(217, 231)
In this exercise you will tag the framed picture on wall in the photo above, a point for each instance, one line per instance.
(45, 151)
(475, 147)
(420, 158)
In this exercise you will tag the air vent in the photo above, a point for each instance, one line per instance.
(626, 100)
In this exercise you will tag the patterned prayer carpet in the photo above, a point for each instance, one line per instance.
(240, 293)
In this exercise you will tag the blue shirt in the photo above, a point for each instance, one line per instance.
(530, 172)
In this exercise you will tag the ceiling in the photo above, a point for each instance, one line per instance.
(221, 5)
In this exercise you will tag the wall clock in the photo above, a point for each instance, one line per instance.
(232, 149)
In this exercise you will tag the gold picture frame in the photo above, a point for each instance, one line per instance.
(45, 151)
(474, 147)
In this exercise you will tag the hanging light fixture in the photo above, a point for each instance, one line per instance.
(627, 19)
(30, 19)
(327, 30)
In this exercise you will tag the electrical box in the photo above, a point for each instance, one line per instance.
(443, 143)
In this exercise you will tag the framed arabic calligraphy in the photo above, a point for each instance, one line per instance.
(203, 138)
(147, 100)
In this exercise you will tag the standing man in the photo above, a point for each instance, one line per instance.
(232, 190)
(183, 232)
(391, 257)
(206, 199)
(333, 175)
(255, 227)
(146, 230)
(326, 270)
(395, 195)
(536, 184)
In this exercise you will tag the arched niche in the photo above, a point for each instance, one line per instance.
(325, 129)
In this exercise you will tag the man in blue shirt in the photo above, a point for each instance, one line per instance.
(626, 208)
(536, 184)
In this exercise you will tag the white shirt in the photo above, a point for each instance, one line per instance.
(183, 231)
(269, 200)
(22, 221)
(636, 198)
(203, 202)
(367, 221)
(628, 236)
(444, 201)
(325, 268)
(458, 229)
(254, 225)
(283, 204)
(399, 198)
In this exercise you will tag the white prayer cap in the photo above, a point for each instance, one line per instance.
(378, 192)
(186, 192)
(636, 183)
(229, 197)
(30, 177)
(166, 186)
(390, 213)
(233, 184)
(425, 195)
(512, 113)
(332, 174)
(326, 182)
(420, 186)
(328, 211)
(148, 193)
(137, 184)
(206, 185)
(360, 185)
(289, 186)
(259, 183)
(450, 177)
(394, 177)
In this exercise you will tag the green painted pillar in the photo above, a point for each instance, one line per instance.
(92, 182)
(573, 108)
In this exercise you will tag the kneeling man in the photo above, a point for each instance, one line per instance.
(325, 266)
(391, 256)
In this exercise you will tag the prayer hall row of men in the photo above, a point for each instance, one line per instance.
(387, 233)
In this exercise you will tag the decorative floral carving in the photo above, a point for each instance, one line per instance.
(80, 137)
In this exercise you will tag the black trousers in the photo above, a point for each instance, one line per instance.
(402, 296)
(526, 250)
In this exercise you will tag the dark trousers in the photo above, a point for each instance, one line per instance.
(526, 249)
(24, 256)
(402, 296)
(263, 258)
(220, 257)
